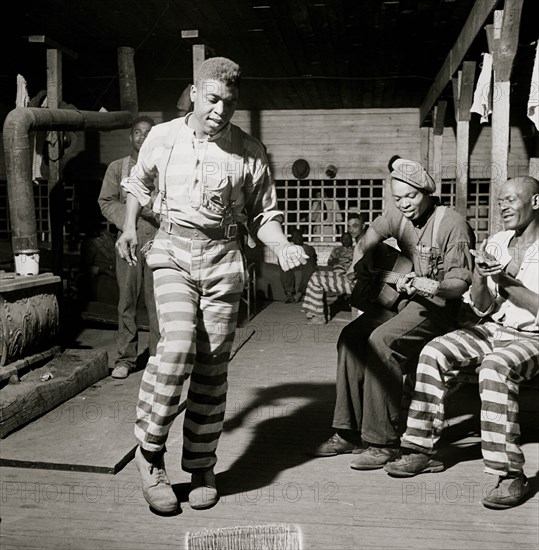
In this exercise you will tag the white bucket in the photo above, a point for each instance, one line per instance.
(27, 264)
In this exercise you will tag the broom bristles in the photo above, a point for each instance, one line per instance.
(247, 537)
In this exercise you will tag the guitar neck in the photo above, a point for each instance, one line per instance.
(390, 276)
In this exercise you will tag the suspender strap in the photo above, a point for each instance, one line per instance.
(401, 228)
(237, 156)
(438, 215)
(125, 166)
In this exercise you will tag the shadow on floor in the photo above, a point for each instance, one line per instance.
(285, 440)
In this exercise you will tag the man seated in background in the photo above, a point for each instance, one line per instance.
(504, 348)
(333, 280)
(295, 280)
(356, 226)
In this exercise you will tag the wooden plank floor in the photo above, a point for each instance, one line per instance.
(279, 406)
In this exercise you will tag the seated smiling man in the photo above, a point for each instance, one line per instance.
(377, 348)
(504, 348)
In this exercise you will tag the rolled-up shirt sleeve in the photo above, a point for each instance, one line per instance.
(467, 299)
(140, 182)
(261, 197)
(458, 262)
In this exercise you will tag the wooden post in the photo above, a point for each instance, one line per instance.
(55, 184)
(424, 145)
(199, 55)
(465, 97)
(533, 169)
(55, 149)
(479, 13)
(504, 45)
(127, 80)
(437, 138)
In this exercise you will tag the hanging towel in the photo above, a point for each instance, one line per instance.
(22, 98)
(482, 98)
(533, 100)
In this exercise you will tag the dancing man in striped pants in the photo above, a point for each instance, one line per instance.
(212, 179)
(504, 348)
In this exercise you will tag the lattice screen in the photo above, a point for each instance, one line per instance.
(321, 207)
(477, 212)
(300, 199)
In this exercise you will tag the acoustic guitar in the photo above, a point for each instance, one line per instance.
(374, 283)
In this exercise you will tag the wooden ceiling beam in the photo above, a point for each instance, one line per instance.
(50, 43)
(507, 47)
(478, 15)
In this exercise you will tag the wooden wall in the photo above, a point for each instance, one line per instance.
(358, 141)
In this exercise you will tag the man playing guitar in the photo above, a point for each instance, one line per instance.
(376, 349)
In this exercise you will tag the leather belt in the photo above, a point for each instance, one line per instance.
(198, 233)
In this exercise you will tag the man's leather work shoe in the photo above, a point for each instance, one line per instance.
(335, 445)
(373, 458)
(203, 492)
(412, 464)
(155, 484)
(509, 491)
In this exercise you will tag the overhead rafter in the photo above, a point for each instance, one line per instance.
(478, 15)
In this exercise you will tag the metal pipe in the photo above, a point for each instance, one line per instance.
(17, 126)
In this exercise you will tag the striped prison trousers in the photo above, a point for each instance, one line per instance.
(198, 285)
(504, 357)
(321, 282)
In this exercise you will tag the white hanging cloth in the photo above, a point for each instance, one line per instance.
(482, 98)
(533, 100)
(22, 98)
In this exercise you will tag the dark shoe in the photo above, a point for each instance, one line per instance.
(373, 458)
(298, 296)
(509, 492)
(155, 484)
(289, 298)
(362, 447)
(203, 492)
(411, 464)
(335, 445)
(121, 370)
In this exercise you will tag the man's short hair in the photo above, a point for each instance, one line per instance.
(356, 216)
(532, 184)
(143, 118)
(221, 69)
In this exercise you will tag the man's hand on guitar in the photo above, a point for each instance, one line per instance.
(411, 284)
(404, 284)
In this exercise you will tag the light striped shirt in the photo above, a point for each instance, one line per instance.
(201, 182)
(504, 311)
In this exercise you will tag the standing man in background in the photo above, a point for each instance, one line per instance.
(213, 180)
(131, 278)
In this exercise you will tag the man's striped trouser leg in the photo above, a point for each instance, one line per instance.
(320, 283)
(503, 366)
(499, 377)
(198, 316)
